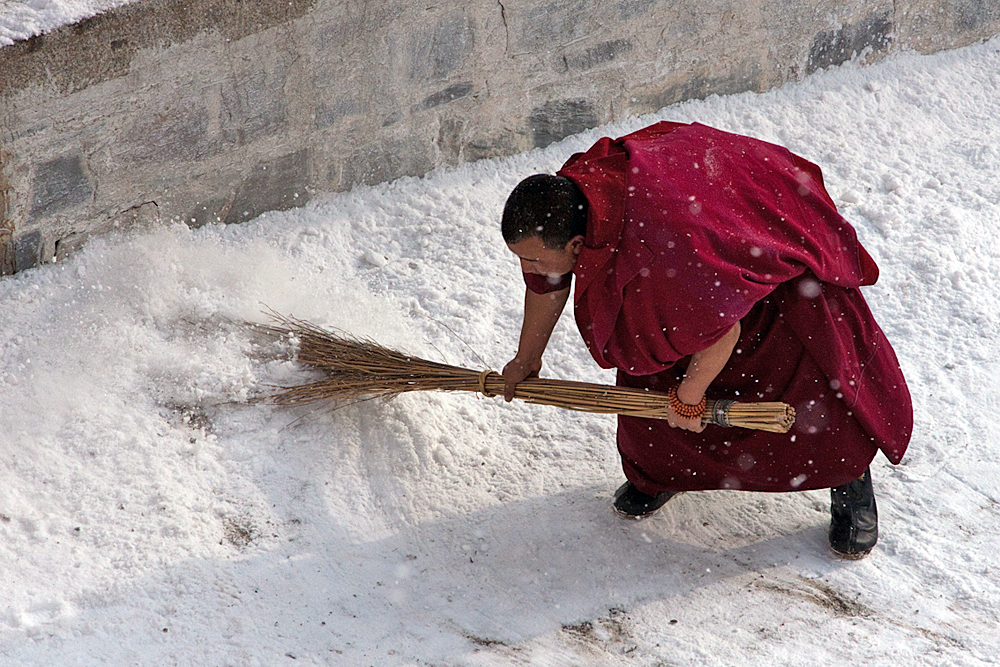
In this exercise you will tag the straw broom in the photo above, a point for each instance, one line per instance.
(358, 368)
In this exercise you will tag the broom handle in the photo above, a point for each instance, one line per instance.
(649, 404)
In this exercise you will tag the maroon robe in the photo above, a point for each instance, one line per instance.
(692, 229)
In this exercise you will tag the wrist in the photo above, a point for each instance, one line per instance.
(689, 396)
(683, 409)
(527, 359)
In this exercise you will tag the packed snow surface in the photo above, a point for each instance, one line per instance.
(152, 514)
(23, 19)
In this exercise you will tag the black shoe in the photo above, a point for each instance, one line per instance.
(632, 503)
(854, 518)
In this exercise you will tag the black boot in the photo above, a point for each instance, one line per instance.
(854, 518)
(631, 503)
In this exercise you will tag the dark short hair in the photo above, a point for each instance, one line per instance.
(550, 207)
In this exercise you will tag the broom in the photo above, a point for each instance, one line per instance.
(358, 368)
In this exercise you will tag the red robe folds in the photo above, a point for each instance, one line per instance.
(691, 230)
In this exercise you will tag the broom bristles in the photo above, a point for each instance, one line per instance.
(357, 368)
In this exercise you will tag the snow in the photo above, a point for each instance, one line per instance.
(23, 19)
(152, 515)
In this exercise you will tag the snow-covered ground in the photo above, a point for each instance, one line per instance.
(23, 19)
(150, 515)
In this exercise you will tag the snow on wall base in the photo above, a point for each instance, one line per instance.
(217, 110)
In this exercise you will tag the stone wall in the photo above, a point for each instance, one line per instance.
(218, 110)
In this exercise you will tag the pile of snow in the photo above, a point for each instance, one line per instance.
(23, 19)
(151, 515)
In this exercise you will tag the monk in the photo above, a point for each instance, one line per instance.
(713, 265)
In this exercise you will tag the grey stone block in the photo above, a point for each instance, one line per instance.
(6, 257)
(835, 47)
(500, 144)
(27, 251)
(449, 94)
(6, 247)
(559, 119)
(631, 8)
(71, 243)
(59, 184)
(747, 76)
(328, 114)
(354, 22)
(600, 54)
(439, 51)
(254, 105)
(276, 185)
(144, 215)
(6, 210)
(450, 139)
(177, 131)
(6, 224)
(206, 213)
(387, 160)
(393, 118)
(558, 22)
(971, 15)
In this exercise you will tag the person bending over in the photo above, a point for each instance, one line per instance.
(709, 264)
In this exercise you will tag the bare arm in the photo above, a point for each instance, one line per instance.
(541, 312)
(705, 366)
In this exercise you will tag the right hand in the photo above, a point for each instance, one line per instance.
(676, 421)
(518, 369)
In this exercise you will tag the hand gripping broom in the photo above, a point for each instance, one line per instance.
(357, 368)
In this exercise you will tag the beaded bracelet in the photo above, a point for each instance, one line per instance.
(683, 409)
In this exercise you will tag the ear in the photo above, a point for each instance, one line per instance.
(575, 244)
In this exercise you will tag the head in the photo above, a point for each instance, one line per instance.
(545, 223)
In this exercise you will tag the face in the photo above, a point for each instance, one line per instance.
(536, 258)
